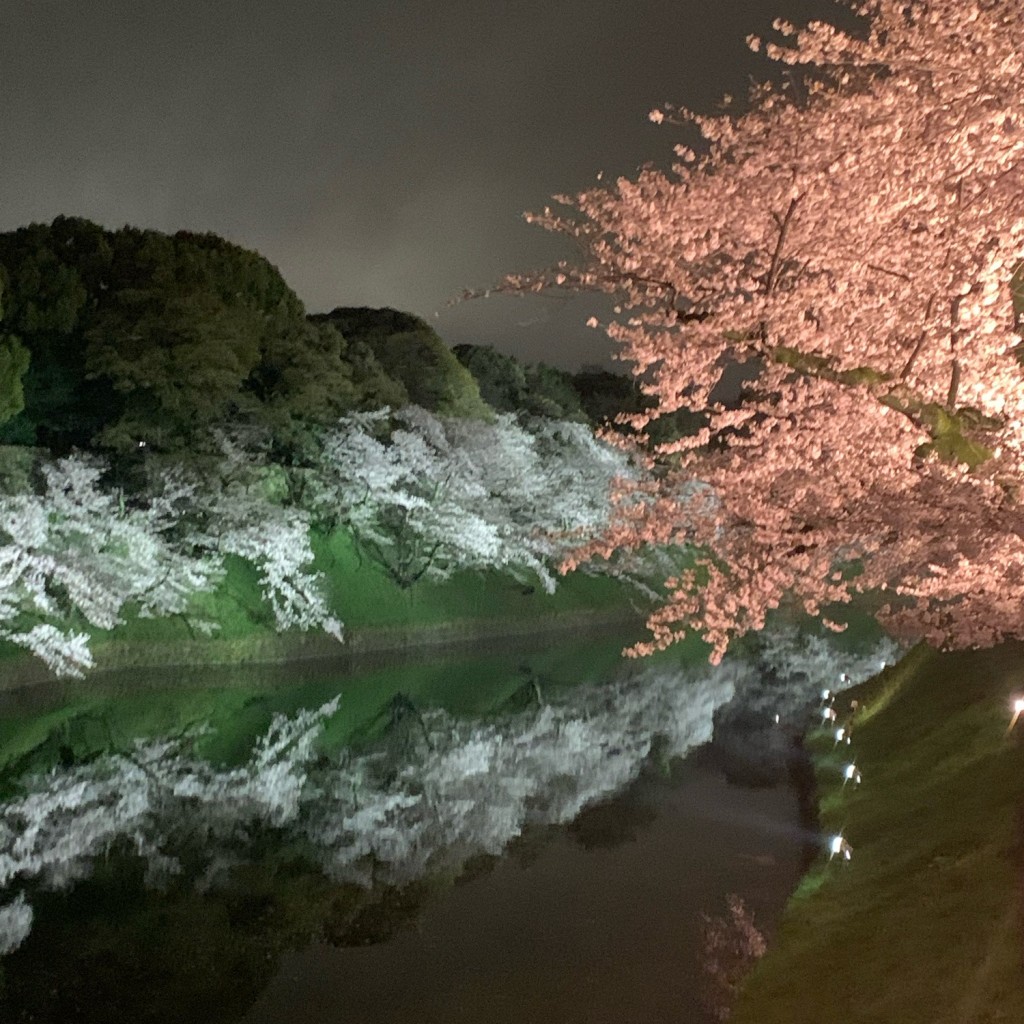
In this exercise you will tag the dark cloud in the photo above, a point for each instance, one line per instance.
(379, 153)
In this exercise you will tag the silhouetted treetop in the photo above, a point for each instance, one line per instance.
(136, 335)
(411, 352)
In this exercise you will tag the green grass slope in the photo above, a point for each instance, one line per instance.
(924, 924)
(377, 615)
(365, 598)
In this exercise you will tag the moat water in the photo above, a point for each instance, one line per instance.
(503, 835)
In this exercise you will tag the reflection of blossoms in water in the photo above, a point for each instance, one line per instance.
(435, 791)
(15, 924)
(787, 652)
(157, 797)
(454, 789)
(473, 786)
(797, 665)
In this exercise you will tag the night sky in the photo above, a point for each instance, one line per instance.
(379, 153)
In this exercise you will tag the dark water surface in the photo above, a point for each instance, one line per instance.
(197, 909)
(597, 923)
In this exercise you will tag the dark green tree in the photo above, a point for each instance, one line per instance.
(605, 395)
(551, 393)
(167, 341)
(509, 386)
(376, 388)
(411, 352)
(49, 273)
(140, 336)
(500, 378)
(14, 361)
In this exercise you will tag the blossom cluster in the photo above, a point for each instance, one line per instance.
(423, 496)
(855, 235)
(427, 497)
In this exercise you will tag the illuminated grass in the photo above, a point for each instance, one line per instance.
(374, 610)
(924, 924)
(364, 597)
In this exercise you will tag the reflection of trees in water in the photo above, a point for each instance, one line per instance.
(432, 792)
(438, 790)
(207, 874)
(183, 918)
(621, 818)
(614, 822)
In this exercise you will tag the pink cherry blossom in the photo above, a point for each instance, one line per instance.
(855, 233)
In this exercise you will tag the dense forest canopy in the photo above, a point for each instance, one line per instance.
(114, 339)
(414, 356)
(137, 336)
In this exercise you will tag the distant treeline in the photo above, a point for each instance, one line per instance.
(114, 339)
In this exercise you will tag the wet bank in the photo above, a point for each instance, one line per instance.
(275, 654)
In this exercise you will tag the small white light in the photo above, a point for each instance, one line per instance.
(851, 774)
(1018, 708)
(828, 714)
(838, 846)
(826, 694)
(776, 718)
(840, 735)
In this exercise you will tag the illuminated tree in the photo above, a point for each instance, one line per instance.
(854, 233)
(426, 497)
(241, 510)
(73, 555)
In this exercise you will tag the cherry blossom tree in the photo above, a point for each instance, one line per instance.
(73, 555)
(731, 945)
(854, 233)
(426, 496)
(241, 508)
(409, 497)
(547, 481)
(76, 555)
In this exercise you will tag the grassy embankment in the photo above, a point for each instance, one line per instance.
(924, 924)
(377, 614)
